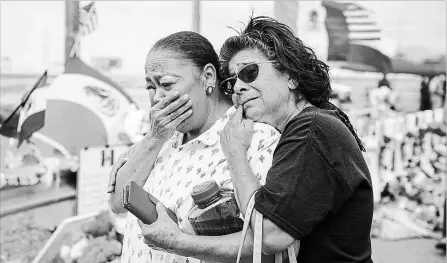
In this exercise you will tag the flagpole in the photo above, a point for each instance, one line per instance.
(26, 99)
(286, 12)
(71, 25)
(196, 16)
(76, 42)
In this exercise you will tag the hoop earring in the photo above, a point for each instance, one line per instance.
(209, 90)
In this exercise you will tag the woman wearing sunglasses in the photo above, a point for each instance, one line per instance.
(318, 190)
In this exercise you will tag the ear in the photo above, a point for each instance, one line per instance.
(209, 75)
(291, 84)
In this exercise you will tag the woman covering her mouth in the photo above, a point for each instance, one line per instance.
(180, 151)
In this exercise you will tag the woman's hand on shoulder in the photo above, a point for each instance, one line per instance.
(122, 159)
(236, 137)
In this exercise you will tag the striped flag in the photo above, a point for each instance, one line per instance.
(361, 25)
(32, 114)
(363, 30)
(88, 19)
(349, 24)
(88, 22)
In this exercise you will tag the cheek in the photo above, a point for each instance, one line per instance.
(199, 105)
(186, 88)
(271, 94)
(198, 98)
(151, 96)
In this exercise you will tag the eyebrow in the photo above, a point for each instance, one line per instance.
(159, 76)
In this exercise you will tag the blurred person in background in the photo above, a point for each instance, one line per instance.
(384, 82)
(437, 89)
(383, 99)
(442, 244)
(180, 150)
(425, 103)
(318, 190)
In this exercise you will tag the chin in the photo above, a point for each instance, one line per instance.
(252, 114)
(185, 126)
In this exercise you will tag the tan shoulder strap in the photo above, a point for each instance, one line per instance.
(257, 233)
(251, 205)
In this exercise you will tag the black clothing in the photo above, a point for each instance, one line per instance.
(319, 189)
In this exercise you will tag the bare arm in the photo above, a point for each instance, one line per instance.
(274, 239)
(164, 118)
(236, 140)
(137, 168)
(217, 248)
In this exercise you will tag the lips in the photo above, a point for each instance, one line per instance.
(245, 101)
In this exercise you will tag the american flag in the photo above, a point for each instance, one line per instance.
(88, 19)
(361, 24)
(88, 22)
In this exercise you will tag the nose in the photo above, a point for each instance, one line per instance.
(240, 87)
(159, 94)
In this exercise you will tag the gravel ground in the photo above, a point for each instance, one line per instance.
(408, 251)
(21, 238)
(22, 235)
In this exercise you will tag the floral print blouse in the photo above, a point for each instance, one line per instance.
(179, 168)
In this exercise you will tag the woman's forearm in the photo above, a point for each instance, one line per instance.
(137, 168)
(244, 181)
(216, 248)
(274, 239)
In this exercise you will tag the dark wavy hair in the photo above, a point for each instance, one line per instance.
(278, 43)
(193, 47)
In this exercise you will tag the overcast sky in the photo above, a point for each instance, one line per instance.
(32, 33)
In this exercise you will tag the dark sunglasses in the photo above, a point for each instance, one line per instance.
(247, 74)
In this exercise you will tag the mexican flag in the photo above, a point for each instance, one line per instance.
(32, 113)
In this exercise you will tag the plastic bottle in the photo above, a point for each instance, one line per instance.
(215, 211)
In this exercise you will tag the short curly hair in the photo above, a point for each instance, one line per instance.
(278, 43)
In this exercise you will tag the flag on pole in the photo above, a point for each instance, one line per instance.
(88, 19)
(85, 107)
(9, 122)
(88, 22)
(32, 114)
(348, 23)
(362, 26)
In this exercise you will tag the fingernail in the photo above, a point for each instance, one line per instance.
(185, 97)
(176, 93)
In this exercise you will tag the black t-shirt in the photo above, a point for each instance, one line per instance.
(319, 189)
